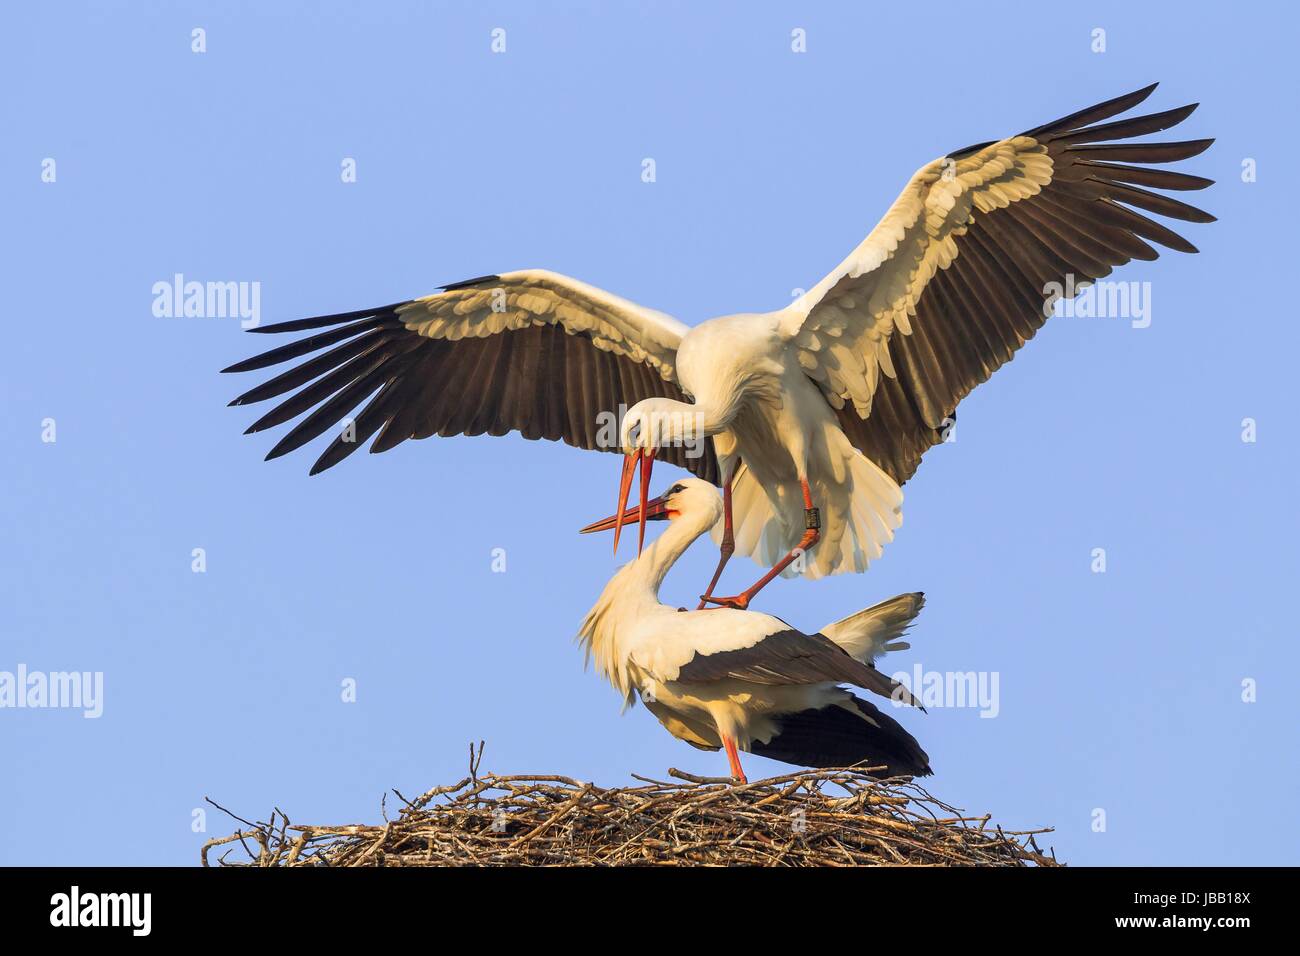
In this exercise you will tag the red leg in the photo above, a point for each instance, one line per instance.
(812, 518)
(728, 538)
(733, 758)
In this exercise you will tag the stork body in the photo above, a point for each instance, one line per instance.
(742, 680)
(779, 448)
(811, 416)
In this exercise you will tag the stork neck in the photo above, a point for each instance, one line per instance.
(633, 593)
(645, 575)
(714, 418)
(681, 423)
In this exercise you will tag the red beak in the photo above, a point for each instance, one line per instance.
(622, 514)
(647, 463)
(655, 510)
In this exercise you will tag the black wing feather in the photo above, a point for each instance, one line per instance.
(973, 315)
(539, 380)
(833, 737)
(791, 657)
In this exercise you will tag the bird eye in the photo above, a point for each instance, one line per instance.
(674, 489)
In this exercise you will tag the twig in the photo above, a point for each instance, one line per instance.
(841, 817)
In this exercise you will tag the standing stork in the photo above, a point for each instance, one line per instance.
(812, 416)
(742, 680)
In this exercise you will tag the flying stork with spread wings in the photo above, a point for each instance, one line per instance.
(810, 417)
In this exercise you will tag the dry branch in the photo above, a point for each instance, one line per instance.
(810, 818)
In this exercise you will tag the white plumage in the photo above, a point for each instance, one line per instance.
(740, 679)
(811, 416)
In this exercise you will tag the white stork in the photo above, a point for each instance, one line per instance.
(811, 416)
(742, 680)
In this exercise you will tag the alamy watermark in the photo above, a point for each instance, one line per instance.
(975, 689)
(1102, 299)
(133, 911)
(181, 299)
(68, 690)
(654, 428)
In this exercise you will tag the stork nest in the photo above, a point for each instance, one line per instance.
(809, 818)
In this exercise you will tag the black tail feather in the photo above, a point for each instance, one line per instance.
(835, 737)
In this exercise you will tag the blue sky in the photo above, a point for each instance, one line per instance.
(1119, 691)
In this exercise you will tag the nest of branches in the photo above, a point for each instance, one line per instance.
(809, 818)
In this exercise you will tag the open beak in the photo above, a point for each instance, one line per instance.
(645, 510)
(646, 460)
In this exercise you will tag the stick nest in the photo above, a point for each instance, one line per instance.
(810, 818)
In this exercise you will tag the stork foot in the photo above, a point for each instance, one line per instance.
(739, 601)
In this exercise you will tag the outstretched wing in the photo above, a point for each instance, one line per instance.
(965, 267)
(530, 351)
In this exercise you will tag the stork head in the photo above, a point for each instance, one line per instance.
(648, 425)
(687, 497)
(654, 422)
